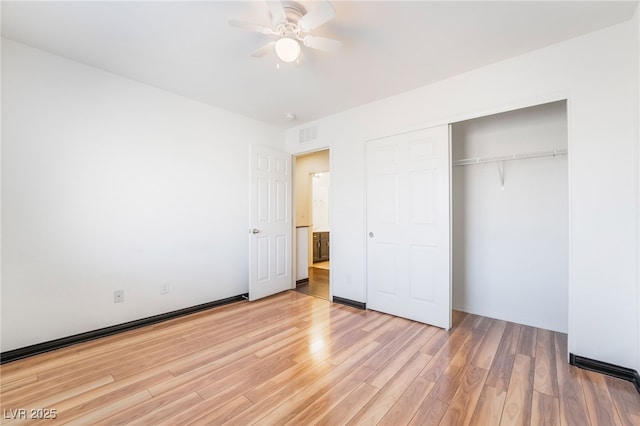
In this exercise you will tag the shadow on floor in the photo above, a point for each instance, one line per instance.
(318, 284)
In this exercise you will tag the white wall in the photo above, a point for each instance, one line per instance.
(597, 73)
(510, 244)
(320, 202)
(110, 184)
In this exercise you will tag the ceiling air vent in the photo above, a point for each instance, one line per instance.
(309, 134)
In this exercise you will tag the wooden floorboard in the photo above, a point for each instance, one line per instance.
(295, 359)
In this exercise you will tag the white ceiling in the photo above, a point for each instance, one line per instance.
(388, 47)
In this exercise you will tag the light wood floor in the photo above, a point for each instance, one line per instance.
(296, 359)
(322, 265)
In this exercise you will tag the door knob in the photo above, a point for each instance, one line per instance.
(255, 231)
(370, 234)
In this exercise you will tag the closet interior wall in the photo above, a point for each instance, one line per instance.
(510, 242)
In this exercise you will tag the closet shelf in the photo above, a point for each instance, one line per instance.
(500, 158)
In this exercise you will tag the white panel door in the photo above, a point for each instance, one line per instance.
(408, 226)
(270, 229)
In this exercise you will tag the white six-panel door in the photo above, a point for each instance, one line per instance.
(408, 226)
(270, 226)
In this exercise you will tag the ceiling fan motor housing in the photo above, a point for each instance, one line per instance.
(293, 12)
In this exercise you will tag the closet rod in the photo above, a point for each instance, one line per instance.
(499, 158)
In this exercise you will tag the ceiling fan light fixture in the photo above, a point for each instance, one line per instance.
(287, 49)
(292, 24)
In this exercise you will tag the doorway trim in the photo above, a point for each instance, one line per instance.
(294, 251)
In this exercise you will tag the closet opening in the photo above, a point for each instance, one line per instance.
(312, 181)
(510, 216)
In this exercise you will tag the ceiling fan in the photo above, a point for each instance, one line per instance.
(292, 25)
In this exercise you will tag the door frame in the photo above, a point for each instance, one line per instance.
(527, 103)
(565, 196)
(294, 250)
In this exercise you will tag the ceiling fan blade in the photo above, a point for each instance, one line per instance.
(320, 14)
(267, 48)
(251, 27)
(322, 43)
(278, 15)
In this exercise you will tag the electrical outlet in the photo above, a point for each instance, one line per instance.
(118, 296)
(164, 289)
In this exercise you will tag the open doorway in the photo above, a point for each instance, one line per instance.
(313, 234)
